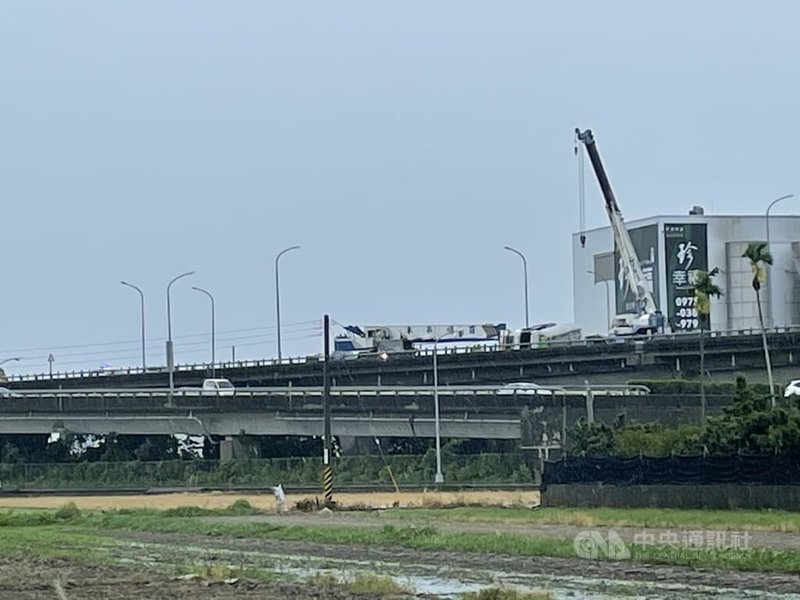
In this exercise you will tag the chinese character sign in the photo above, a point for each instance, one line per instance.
(686, 251)
(645, 243)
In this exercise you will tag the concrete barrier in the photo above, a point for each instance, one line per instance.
(713, 496)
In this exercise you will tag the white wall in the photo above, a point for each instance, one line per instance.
(589, 300)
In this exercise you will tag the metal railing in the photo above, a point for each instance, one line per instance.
(339, 391)
(477, 348)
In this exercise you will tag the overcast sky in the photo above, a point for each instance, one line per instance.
(402, 144)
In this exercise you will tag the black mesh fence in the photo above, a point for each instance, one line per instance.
(688, 470)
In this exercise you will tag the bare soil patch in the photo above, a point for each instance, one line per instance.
(489, 564)
(29, 579)
(266, 501)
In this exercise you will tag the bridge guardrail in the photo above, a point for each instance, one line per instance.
(340, 391)
(482, 348)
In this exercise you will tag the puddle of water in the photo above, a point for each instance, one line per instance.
(446, 582)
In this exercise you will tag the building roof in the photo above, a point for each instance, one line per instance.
(684, 218)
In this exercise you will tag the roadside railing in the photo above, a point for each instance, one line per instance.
(339, 391)
(428, 352)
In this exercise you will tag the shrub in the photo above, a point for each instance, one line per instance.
(67, 512)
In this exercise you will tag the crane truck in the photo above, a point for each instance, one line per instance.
(376, 339)
(647, 319)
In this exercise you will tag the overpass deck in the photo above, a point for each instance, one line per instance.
(466, 412)
(661, 356)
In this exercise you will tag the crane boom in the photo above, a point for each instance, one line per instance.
(630, 262)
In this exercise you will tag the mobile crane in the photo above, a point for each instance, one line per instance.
(648, 319)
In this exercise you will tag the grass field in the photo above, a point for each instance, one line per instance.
(35, 530)
(766, 520)
(96, 530)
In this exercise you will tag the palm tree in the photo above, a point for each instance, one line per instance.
(704, 290)
(758, 255)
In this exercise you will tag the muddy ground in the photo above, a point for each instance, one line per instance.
(440, 562)
(147, 556)
(40, 579)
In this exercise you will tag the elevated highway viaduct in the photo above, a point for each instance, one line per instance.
(538, 421)
(602, 360)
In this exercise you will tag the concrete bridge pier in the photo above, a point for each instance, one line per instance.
(237, 446)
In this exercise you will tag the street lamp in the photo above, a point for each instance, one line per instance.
(278, 292)
(769, 289)
(525, 269)
(170, 354)
(213, 331)
(439, 476)
(141, 296)
(15, 359)
(608, 299)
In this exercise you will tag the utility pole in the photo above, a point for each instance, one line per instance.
(327, 471)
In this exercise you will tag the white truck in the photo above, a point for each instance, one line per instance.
(216, 386)
(361, 340)
(538, 336)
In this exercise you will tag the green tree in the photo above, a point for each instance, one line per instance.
(751, 425)
(759, 256)
(654, 439)
(704, 290)
(591, 439)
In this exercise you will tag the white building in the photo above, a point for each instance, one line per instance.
(671, 249)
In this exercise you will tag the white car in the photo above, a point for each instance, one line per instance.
(793, 389)
(522, 388)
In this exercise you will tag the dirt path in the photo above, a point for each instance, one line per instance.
(632, 535)
(487, 565)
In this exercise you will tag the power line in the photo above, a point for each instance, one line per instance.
(108, 352)
(132, 357)
(315, 323)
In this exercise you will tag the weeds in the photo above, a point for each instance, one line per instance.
(408, 534)
(67, 512)
(495, 593)
(363, 583)
(240, 508)
(26, 519)
(381, 585)
(213, 571)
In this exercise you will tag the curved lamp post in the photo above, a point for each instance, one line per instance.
(525, 269)
(278, 292)
(170, 354)
(141, 296)
(766, 218)
(439, 476)
(213, 330)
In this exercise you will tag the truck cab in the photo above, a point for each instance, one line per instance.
(221, 387)
(633, 324)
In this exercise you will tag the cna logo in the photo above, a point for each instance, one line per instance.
(592, 545)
